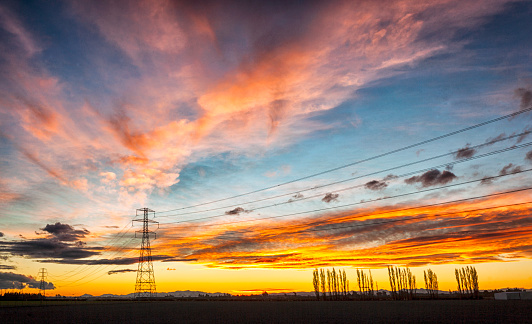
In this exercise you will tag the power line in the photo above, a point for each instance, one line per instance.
(367, 201)
(365, 215)
(357, 203)
(358, 177)
(357, 162)
(94, 271)
(395, 211)
(78, 270)
(361, 161)
(99, 266)
(484, 179)
(72, 284)
(422, 216)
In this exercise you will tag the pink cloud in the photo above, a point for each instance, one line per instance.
(136, 27)
(10, 23)
(242, 98)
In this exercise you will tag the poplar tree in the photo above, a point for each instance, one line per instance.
(329, 283)
(467, 280)
(316, 282)
(323, 284)
(431, 283)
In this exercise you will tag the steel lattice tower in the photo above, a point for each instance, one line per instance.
(42, 286)
(145, 284)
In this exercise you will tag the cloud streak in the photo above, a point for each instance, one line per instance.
(370, 238)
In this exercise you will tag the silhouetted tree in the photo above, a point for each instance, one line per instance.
(459, 282)
(316, 283)
(467, 280)
(334, 283)
(431, 283)
(329, 283)
(402, 283)
(323, 284)
(345, 283)
(365, 284)
(393, 283)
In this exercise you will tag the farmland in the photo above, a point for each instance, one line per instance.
(441, 311)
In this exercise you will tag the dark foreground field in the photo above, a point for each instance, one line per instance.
(446, 311)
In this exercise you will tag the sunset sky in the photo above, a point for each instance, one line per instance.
(269, 137)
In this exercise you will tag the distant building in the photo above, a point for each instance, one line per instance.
(513, 295)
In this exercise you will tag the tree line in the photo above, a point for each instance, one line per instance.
(330, 284)
(334, 285)
(467, 279)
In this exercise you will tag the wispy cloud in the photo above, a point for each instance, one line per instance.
(196, 80)
(206, 84)
(372, 237)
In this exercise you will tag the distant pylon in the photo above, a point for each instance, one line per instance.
(145, 284)
(42, 286)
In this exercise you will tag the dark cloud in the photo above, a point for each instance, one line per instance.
(9, 279)
(330, 197)
(120, 271)
(48, 248)
(65, 232)
(526, 97)
(115, 261)
(7, 267)
(464, 153)
(493, 140)
(525, 134)
(390, 177)
(432, 178)
(1, 234)
(509, 169)
(376, 185)
(62, 242)
(486, 181)
(179, 260)
(529, 156)
(236, 211)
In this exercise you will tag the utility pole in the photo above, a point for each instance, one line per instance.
(145, 284)
(42, 286)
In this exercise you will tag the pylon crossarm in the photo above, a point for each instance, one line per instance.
(147, 221)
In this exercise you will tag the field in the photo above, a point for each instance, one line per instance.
(449, 311)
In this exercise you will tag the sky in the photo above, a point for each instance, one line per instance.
(269, 137)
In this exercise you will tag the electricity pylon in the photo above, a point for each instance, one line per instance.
(42, 286)
(145, 284)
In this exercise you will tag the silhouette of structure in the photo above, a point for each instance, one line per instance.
(145, 284)
(42, 286)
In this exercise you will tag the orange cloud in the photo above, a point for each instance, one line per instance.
(453, 233)
(196, 94)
